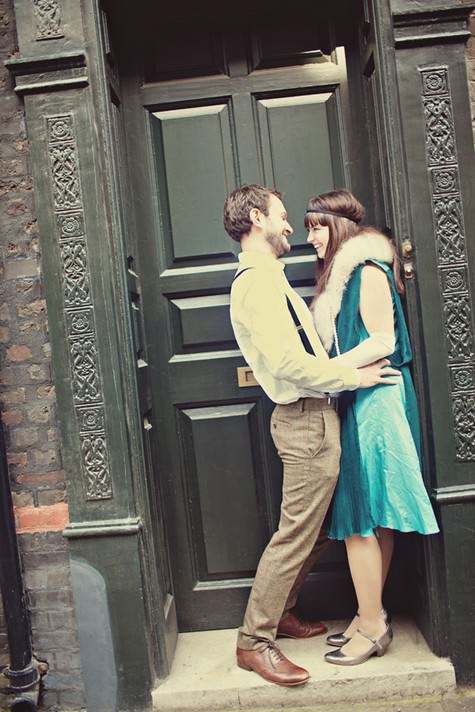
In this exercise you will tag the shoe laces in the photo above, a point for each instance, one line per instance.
(275, 652)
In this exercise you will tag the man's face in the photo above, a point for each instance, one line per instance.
(277, 229)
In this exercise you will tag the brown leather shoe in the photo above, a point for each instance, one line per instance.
(270, 663)
(291, 627)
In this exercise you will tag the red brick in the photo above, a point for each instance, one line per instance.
(41, 478)
(28, 326)
(32, 309)
(52, 518)
(17, 207)
(24, 286)
(11, 417)
(14, 166)
(18, 353)
(17, 458)
(19, 269)
(13, 395)
(15, 249)
(24, 437)
(38, 372)
(4, 312)
(46, 391)
(14, 186)
(40, 413)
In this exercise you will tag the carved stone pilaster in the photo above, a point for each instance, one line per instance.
(78, 305)
(449, 233)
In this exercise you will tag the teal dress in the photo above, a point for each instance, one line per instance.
(380, 482)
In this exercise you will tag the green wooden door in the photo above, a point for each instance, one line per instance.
(263, 103)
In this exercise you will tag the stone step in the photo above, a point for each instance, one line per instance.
(205, 678)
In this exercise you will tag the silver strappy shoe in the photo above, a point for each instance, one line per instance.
(379, 647)
(340, 639)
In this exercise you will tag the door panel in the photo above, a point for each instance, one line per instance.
(299, 149)
(194, 160)
(223, 484)
(202, 323)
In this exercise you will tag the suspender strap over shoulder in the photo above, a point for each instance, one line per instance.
(238, 274)
(303, 336)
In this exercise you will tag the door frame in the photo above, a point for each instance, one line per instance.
(395, 28)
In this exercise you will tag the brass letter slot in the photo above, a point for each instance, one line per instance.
(246, 377)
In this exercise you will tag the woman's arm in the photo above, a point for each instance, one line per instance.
(376, 309)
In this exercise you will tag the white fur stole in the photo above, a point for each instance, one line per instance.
(352, 253)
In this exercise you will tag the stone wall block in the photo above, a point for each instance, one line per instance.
(47, 497)
(23, 437)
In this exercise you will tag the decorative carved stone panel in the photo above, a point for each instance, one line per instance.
(450, 247)
(49, 21)
(78, 306)
(75, 274)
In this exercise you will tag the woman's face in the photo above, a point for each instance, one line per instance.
(318, 236)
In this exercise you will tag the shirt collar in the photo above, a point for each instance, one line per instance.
(249, 258)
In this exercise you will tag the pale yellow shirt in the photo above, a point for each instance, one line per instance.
(269, 340)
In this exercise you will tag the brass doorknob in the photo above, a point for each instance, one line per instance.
(409, 270)
(407, 247)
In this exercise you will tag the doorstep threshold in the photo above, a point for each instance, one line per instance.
(205, 678)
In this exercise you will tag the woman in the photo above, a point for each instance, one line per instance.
(359, 317)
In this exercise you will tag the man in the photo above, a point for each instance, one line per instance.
(274, 330)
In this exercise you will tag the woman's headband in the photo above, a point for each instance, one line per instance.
(331, 212)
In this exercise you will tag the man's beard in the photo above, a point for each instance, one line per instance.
(278, 243)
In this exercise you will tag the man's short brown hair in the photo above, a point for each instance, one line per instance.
(239, 204)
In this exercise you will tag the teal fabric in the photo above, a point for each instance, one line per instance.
(380, 482)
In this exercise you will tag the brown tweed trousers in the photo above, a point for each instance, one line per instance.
(307, 437)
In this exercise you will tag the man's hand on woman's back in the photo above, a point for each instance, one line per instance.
(377, 373)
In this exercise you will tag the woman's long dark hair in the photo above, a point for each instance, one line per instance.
(341, 229)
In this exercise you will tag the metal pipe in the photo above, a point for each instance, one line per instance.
(23, 704)
(22, 674)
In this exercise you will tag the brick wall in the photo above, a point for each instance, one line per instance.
(27, 393)
(27, 403)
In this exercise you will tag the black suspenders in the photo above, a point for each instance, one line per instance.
(303, 336)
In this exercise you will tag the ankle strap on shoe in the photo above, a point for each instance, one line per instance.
(375, 641)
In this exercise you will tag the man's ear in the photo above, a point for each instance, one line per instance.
(255, 217)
